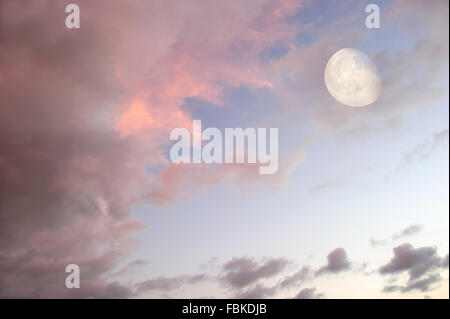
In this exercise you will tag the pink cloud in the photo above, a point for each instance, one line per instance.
(85, 112)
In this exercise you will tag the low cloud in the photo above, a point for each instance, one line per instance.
(337, 262)
(423, 285)
(422, 265)
(444, 263)
(291, 281)
(257, 292)
(417, 261)
(309, 293)
(244, 271)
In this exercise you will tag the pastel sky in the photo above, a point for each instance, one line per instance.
(359, 207)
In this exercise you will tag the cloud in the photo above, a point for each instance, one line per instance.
(337, 262)
(168, 283)
(174, 182)
(86, 112)
(424, 149)
(378, 242)
(291, 281)
(309, 293)
(244, 271)
(423, 285)
(114, 290)
(257, 292)
(422, 265)
(444, 263)
(408, 231)
(131, 267)
(417, 261)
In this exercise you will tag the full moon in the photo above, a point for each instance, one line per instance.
(352, 78)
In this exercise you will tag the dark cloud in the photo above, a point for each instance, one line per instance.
(444, 263)
(416, 261)
(423, 285)
(244, 271)
(291, 281)
(337, 262)
(66, 180)
(422, 265)
(309, 293)
(74, 155)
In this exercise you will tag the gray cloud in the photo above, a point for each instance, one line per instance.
(309, 293)
(291, 281)
(416, 261)
(257, 292)
(243, 271)
(424, 285)
(66, 179)
(422, 265)
(337, 262)
(444, 263)
(408, 231)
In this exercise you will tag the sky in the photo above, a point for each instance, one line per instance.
(359, 206)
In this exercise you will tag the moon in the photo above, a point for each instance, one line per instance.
(352, 78)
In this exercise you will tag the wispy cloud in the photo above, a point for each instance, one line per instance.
(408, 231)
